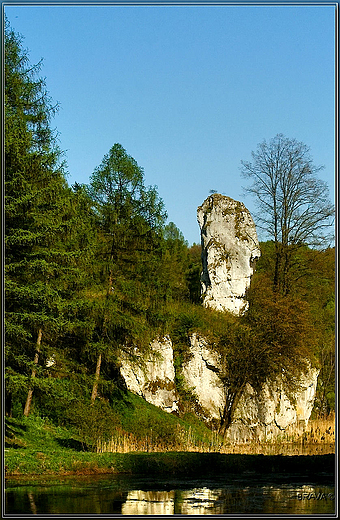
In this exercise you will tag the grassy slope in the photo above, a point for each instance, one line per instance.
(36, 447)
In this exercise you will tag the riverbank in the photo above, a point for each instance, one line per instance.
(178, 464)
(34, 446)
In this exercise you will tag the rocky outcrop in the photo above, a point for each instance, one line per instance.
(153, 379)
(229, 250)
(269, 414)
(201, 377)
(258, 416)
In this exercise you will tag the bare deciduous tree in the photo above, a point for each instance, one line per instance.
(294, 207)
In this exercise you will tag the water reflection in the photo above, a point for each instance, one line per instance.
(149, 503)
(249, 499)
(201, 501)
(132, 496)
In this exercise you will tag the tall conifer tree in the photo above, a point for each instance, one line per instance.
(130, 219)
(40, 266)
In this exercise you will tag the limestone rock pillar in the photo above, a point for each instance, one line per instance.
(230, 248)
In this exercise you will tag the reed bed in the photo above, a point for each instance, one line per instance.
(316, 431)
(315, 438)
(279, 448)
(123, 442)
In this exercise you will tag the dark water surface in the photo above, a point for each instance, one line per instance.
(117, 494)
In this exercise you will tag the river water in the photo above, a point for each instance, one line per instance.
(118, 494)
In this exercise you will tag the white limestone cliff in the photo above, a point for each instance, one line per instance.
(267, 415)
(201, 377)
(229, 250)
(154, 380)
(257, 416)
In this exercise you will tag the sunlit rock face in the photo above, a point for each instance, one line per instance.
(201, 376)
(229, 250)
(260, 417)
(268, 414)
(154, 379)
(306, 396)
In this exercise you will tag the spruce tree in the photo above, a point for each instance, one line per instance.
(41, 269)
(130, 219)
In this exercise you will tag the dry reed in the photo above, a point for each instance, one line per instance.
(315, 438)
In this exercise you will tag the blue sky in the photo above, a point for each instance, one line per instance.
(188, 91)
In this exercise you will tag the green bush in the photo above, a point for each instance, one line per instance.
(93, 423)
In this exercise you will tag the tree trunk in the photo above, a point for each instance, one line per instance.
(30, 391)
(229, 409)
(277, 268)
(96, 379)
(8, 404)
(286, 269)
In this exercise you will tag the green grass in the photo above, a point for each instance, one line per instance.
(182, 464)
(52, 450)
(37, 446)
(156, 443)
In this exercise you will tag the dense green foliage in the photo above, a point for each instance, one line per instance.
(42, 274)
(94, 270)
(313, 279)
